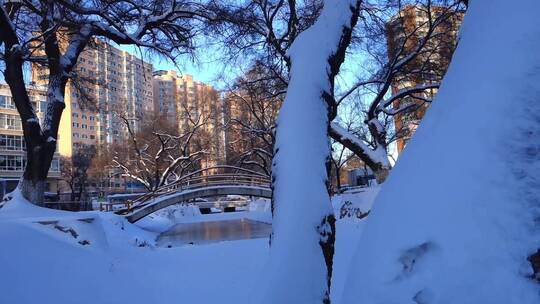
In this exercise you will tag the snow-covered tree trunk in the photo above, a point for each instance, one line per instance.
(471, 234)
(302, 245)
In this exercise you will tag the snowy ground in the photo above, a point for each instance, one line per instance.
(50, 256)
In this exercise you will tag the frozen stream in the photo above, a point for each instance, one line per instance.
(213, 231)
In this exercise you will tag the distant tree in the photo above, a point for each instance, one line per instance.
(74, 170)
(101, 171)
(252, 106)
(340, 157)
(158, 153)
(54, 33)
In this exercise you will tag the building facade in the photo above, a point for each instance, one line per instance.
(109, 83)
(250, 121)
(12, 144)
(404, 33)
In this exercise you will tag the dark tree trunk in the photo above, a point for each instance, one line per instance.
(338, 179)
(40, 143)
(39, 150)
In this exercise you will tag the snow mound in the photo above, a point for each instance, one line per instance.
(92, 229)
(165, 218)
(260, 205)
(354, 205)
(458, 217)
(260, 210)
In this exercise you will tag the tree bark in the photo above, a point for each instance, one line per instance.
(40, 144)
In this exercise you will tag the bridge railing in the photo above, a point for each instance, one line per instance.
(197, 182)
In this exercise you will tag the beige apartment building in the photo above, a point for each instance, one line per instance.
(12, 144)
(245, 112)
(111, 82)
(184, 102)
(412, 22)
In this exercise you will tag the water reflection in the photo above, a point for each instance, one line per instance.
(213, 231)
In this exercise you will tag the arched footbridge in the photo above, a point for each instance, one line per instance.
(192, 186)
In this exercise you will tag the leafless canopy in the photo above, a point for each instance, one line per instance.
(158, 153)
(407, 46)
(252, 105)
(53, 33)
(264, 30)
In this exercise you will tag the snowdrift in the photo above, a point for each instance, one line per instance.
(458, 217)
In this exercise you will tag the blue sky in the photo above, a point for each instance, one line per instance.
(208, 66)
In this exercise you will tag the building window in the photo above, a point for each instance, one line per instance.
(55, 165)
(12, 143)
(12, 162)
(10, 122)
(18, 163)
(6, 102)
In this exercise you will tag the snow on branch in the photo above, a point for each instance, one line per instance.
(157, 153)
(355, 144)
(407, 92)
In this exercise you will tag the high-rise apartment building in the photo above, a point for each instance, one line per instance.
(404, 33)
(12, 144)
(186, 102)
(250, 119)
(110, 82)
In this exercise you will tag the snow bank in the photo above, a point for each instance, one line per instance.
(455, 221)
(260, 205)
(165, 218)
(35, 268)
(354, 205)
(260, 210)
(96, 230)
(50, 256)
(348, 228)
(120, 265)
